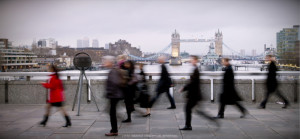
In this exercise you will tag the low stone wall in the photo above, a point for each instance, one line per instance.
(31, 92)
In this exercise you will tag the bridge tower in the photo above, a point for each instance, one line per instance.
(219, 43)
(175, 55)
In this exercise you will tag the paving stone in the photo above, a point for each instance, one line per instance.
(134, 129)
(65, 136)
(22, 121)
(165, 131)
(96, 132)
(73, 129)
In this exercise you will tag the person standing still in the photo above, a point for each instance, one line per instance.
(163, 84)
(272, 83)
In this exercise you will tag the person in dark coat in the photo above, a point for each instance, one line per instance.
(56, 96)
(272, 83)
(193, 95)
(144, 97)
(229, 95)
(164, 84)
(129, 92)
(114, 92)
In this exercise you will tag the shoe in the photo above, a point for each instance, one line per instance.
(219, 117)
(68, 121)
(111, 134)
(126, 121)
(44, 122)
(285, 105)
(186, 128)
(261, 107)
(171, 108)
(147, 115)
(243, 115)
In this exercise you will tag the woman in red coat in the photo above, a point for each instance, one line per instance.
(56, 96)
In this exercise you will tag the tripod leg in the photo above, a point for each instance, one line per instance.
(75, 96)
(91, 92)
(80, 89)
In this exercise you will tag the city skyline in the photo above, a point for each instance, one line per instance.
(245, 24)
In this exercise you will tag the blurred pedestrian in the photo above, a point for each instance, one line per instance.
(129, 92)
(56, 96)
(144, 97)
(163, 84)
(121, 60)
(193, 95)
(229, 95)
(114, 93)
(272, 83)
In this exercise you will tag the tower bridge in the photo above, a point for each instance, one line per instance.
(175, 42)
(175, 58)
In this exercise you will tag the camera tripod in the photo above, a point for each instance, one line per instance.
(79, 91)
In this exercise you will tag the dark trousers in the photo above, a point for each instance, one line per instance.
(237, 104)
(171, 99)
(129, 108)
(188, 112)
(113, 115)
(278, 93)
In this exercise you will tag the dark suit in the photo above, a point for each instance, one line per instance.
(163, 85)
(272, 84)
(229, 95)
(193, 97)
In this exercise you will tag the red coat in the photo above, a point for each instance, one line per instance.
(56, 89)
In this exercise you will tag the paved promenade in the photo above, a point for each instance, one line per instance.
(21, 121)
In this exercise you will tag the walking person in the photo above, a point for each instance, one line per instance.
(56, 96)
(193, 95)
(129, 92)
(229, 95)
(272, 83)
(164, 84)
(114, 92)
(144, 97)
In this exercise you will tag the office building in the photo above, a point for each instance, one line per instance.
(15, 58)
(288, 46)
(95, 43)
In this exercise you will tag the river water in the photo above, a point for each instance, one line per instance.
(155, 68)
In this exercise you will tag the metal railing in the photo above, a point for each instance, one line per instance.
(294, 75)
(101, 73)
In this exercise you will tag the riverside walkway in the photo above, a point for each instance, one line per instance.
(21, 121)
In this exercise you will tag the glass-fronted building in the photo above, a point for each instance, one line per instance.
(288, 46)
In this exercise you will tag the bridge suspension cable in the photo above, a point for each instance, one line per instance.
(150, 57)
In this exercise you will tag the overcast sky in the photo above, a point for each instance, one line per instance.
(246, 24)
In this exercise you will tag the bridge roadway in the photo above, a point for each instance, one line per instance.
(21, 122)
